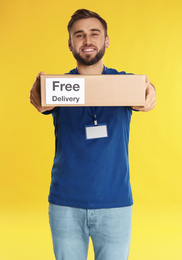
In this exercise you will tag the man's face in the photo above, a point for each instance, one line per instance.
(87, 41)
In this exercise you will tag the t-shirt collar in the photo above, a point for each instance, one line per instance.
(103, 72)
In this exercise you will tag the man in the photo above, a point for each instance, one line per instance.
(90, 193)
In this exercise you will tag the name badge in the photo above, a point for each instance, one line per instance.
(96, 131)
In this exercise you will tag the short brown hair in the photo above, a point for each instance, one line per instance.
(83, 14)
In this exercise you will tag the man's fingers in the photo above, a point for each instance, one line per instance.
(35, 98)
(35, 94)
(36, 85)
(147, 82)
(150, 96)
(35, 104)
(38, 107)
(139, 108)
(40, 73)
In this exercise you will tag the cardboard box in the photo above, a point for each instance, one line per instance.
(92, 90)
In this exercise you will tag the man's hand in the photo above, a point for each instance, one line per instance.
(35, 98)
(150, 97)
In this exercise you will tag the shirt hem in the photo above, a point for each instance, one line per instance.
(90, 205)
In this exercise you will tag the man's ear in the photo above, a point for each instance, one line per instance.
(69, 45)
(107, 41)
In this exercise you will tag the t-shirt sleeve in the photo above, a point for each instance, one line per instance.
(48, 112)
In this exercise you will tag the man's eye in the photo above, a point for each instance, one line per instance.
(79, 35)
(94, 34)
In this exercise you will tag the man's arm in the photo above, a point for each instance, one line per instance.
(35, 98)
(150, 98)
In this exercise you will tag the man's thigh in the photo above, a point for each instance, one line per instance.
(111, 233)
(70, 234)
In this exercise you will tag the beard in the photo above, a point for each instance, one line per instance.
(88, 61)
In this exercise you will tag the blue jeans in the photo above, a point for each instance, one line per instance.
(109, 229)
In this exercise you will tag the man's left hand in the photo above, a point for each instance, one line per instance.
(150, 98)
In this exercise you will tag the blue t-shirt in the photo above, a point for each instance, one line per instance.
(91, 174)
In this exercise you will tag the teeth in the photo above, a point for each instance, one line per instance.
(88, 50)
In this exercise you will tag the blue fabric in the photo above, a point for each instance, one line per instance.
(91, 174)
(109, 229)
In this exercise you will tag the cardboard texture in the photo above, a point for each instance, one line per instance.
(92, 90)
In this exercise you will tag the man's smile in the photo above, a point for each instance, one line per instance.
(88, 49)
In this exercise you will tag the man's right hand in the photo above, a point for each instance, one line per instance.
(35, 98)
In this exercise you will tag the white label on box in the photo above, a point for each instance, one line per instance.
(65, 91)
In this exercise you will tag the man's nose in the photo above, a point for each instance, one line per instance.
(87, 39)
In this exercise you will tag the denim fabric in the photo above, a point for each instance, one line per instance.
(109, 229)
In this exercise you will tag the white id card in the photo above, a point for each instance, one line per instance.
(96, 131)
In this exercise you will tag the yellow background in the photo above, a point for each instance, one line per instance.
(145, 38)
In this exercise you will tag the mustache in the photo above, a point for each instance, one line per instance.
(88, 45)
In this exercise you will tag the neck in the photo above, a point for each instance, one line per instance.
(90, 70)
